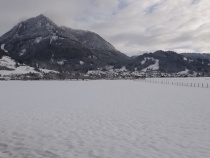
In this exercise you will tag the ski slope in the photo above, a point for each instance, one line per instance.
(103, 119)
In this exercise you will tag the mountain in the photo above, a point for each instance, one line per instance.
(169, 62)
(39, 42)
(196, 55)
(38, 46)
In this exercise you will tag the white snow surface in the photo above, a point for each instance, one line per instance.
(38, 39)
(2, 48)
(81, 62)
(10, 63)
(20, 25)
(155, 66)
(103, 119)
(18, 70)
(145, 59)
(184, 72)
(48, 71)
(7, 62)
(61, 62)
(22, 69)
(123, 69)
(22, 52)
(185, 58)
(54, 37)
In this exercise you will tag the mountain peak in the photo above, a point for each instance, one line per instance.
(41, 16)
(41, 19)
(40, 40)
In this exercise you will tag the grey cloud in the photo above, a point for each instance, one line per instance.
(132, 26)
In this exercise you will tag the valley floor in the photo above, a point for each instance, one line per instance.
(103, 119)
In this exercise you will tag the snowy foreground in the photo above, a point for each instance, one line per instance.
(103, 119)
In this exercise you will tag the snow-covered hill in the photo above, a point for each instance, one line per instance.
(9, 67)
(39, 41)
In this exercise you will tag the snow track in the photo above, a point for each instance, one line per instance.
(103, 119)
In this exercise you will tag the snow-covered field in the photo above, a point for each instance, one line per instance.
(103, 119)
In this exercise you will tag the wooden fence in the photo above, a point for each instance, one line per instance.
(179, 83)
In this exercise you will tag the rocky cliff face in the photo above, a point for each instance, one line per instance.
(39, 42)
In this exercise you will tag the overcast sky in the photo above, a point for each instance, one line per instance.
(132, 26)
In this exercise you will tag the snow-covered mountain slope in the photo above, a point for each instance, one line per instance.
(169, 62)
(39, 41)
(197, 55)
(154, 66)
(88, 39)
(10, 67)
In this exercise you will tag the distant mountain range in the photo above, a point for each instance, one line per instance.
(171, 62)
(40, 44)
